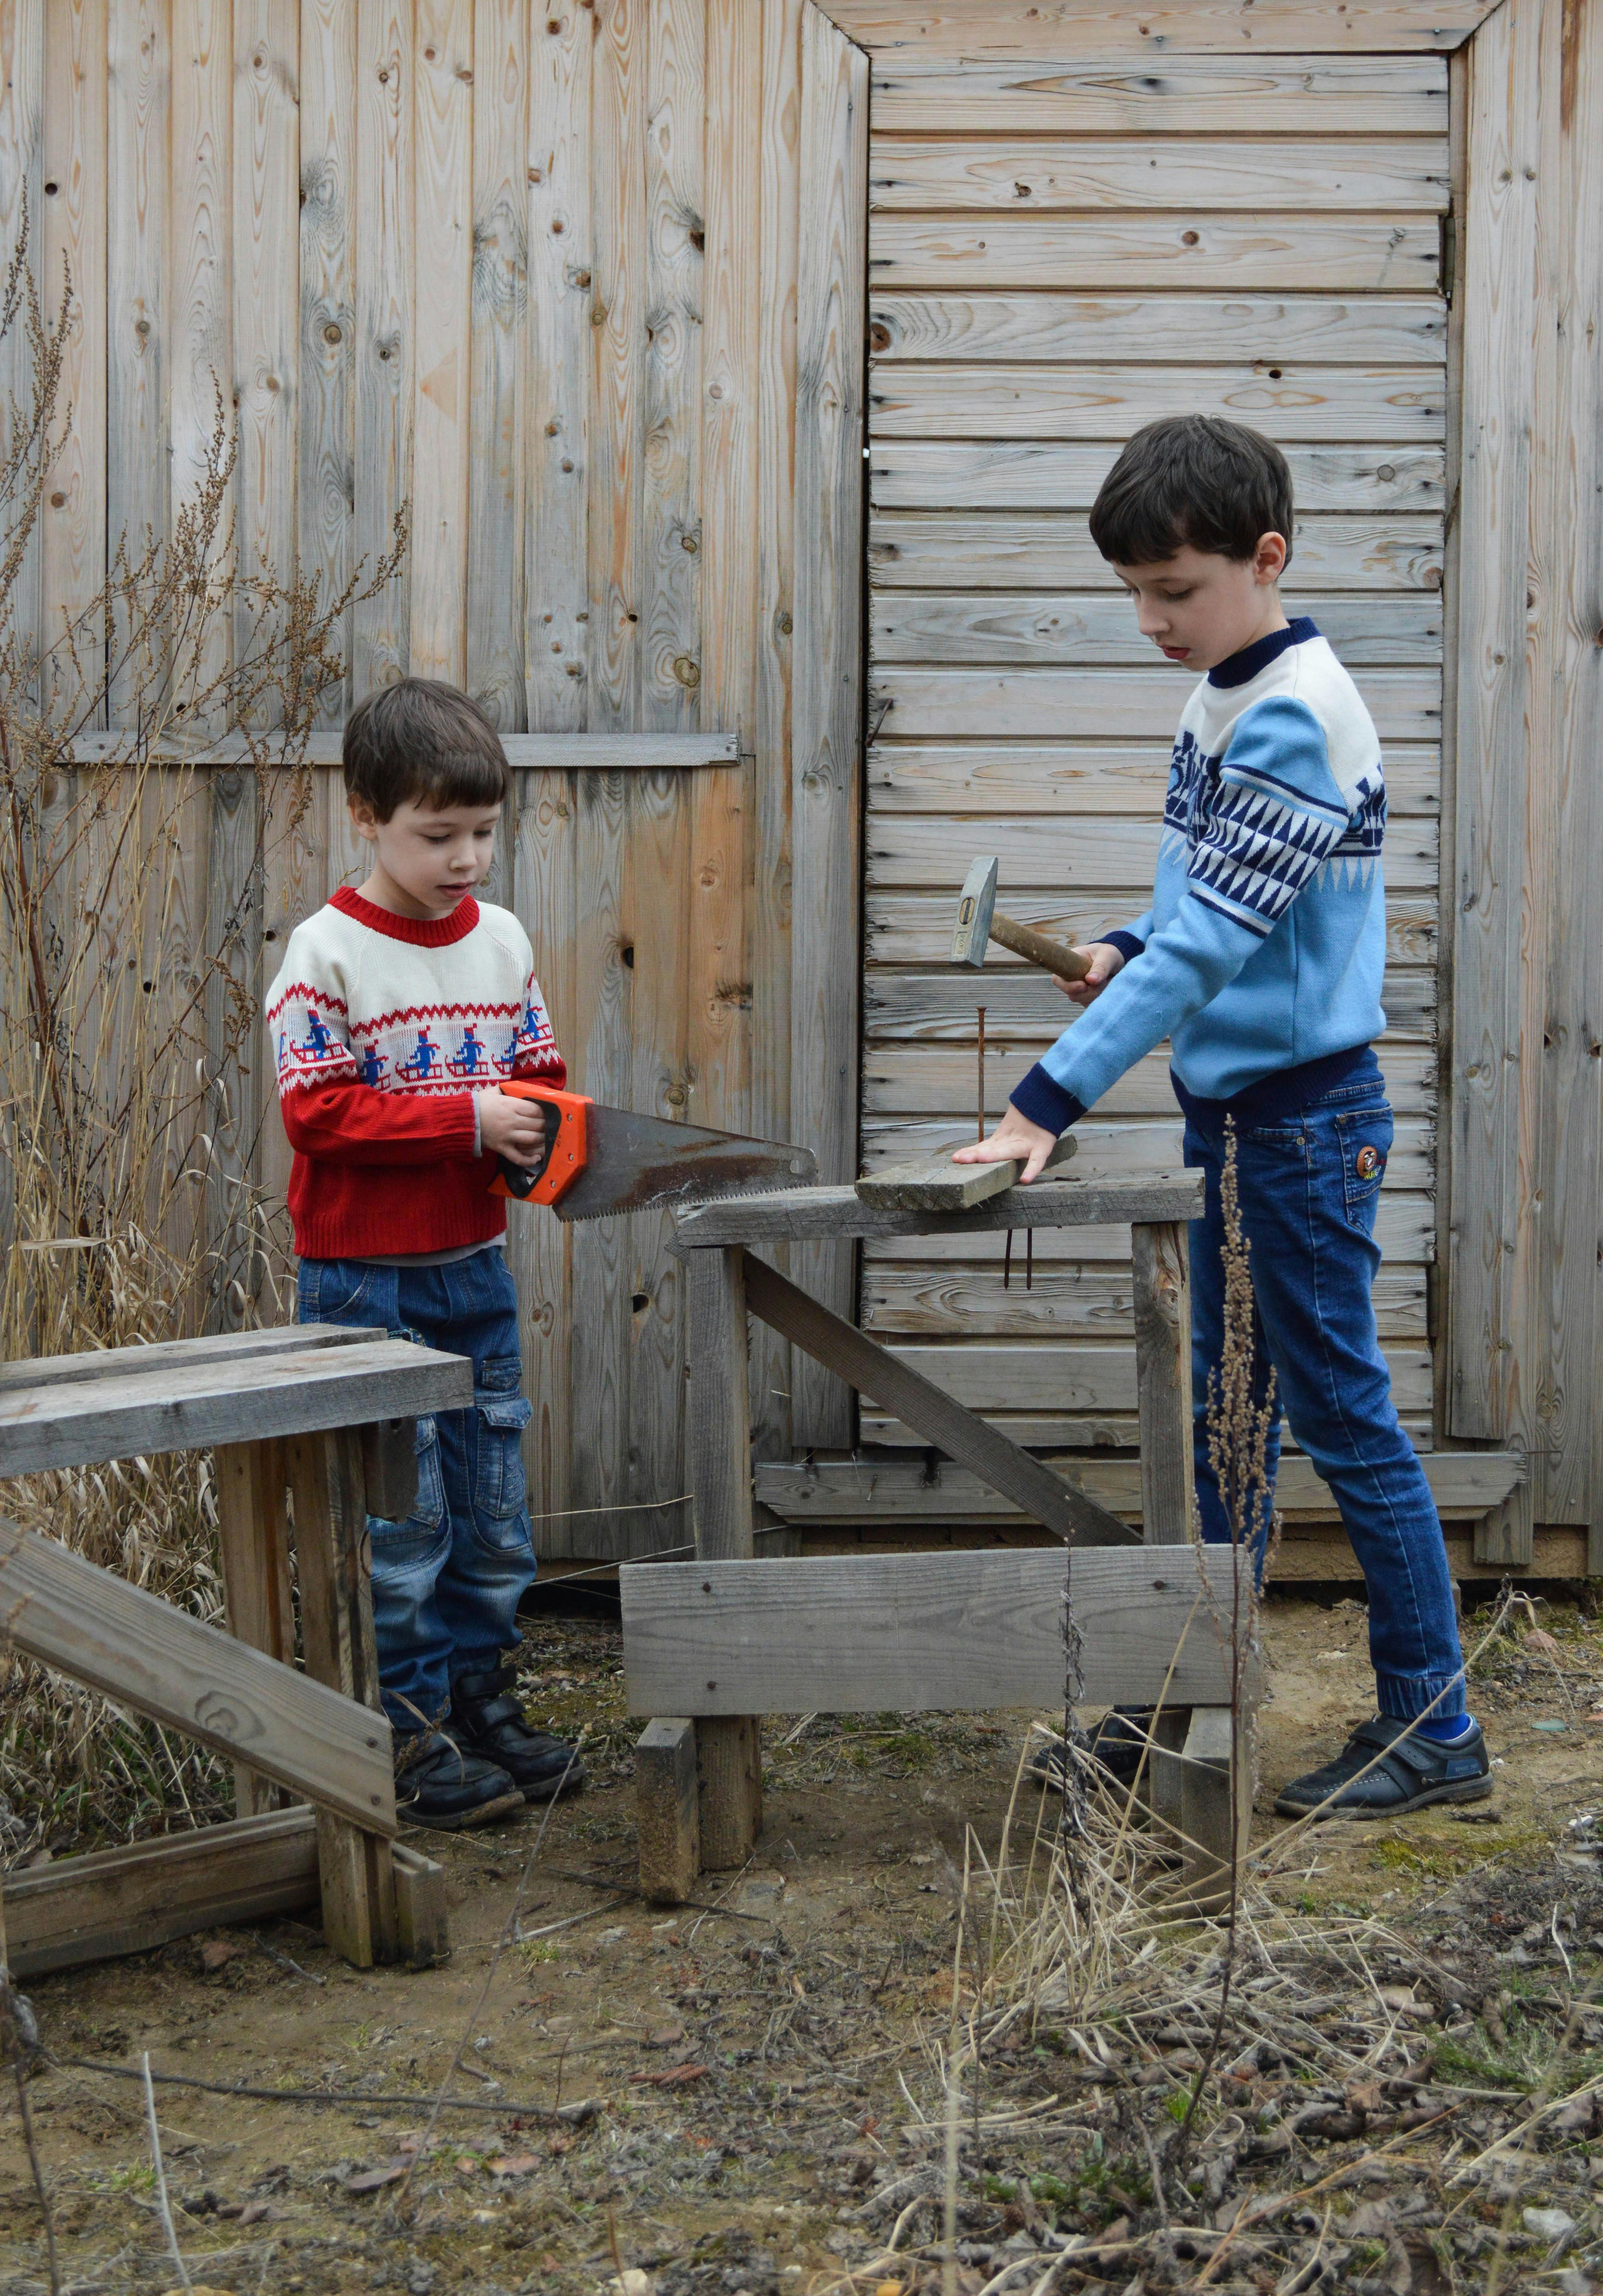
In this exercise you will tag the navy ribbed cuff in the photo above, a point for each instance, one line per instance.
(1126, 943)
(1043, 1100)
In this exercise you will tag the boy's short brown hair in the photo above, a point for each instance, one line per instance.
(421, 742)
(1192, 478)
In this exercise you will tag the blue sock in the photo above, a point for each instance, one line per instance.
(1445, 1729)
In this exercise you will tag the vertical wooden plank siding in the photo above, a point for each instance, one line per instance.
(618, 349)
(23, 195)
(138, 125)
(501, 317)
(668, 599)
(326, 431)
(1488, 1273)
(202, 258)
(442, 131)
(384, 348)
(74, 232)
(266, 230)
(827, 696)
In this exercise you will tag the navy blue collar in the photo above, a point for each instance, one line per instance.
(1237, 669)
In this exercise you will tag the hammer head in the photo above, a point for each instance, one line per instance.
(976, 904)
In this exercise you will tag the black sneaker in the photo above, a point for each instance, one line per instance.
(1118, 1746)
(488, 1718)
(1409, 1771)
(441, 1784)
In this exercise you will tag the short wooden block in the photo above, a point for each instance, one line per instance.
(934, 1184)
(421, 1931)
(389, 1468)
(1164, 1790)
(1216, 1804)
(729, 1774)
(667, 1809)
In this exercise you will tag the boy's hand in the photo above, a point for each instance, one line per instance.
(513, 1127)
(1105, 961)
(1015, 1137)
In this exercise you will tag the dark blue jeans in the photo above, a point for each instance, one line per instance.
(446, 1582)
(1308, 1188)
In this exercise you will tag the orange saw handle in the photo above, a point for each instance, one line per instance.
(566, 1153)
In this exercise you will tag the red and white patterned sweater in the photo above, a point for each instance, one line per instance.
(384, 1028)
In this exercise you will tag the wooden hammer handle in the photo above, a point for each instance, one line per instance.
(1023, 940)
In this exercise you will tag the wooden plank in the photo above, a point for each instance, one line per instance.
(1000, 1377)
(825, 727)
(799, 1215)
(619, 133)
(497, 386)
(326, 430)
(1085, 174)
(1216, 1804)
(583, 753)
(893, 1383)
(138, 127)
(719, 1457)
(1172, 92)
(1406, 704)
(264, 230)
(1285, 254)
(251, 1484)
(559, 288)
(1305, 28)
(1488, 1309)
(999, 400)
(236, 829)
(921, 1634)
(1079, 777)
(889, 1490)
(1037, 550)
(1161, 1294)
(1404, 1229)
(111, 1902)
(1112, 1151)
(421, 1921)
(666, 1810)
(202, 260)
(916, 928)
(1038, 474)
(138, 1650)
(1023, 1007)
(942, 1186)
(907, 1079)
(1054, 627)
(176, 1355)
(670, 381)
(225, 1401)
(907, 849)
(441, 66)
(23, 87)
(73, 232)
(1259, 330)
(385, 330)
(942, 1300)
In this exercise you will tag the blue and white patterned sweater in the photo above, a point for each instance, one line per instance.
(1263, 948)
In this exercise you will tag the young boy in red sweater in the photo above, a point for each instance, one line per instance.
(398, 1010)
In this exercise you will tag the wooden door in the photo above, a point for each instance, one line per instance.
(1060, 250)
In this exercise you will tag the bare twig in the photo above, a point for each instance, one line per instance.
(162, 2203)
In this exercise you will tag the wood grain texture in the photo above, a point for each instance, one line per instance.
(176, 1355)
(1160, 1299)
(1054, 777)
(497, 389)
(826, 723)
(617, 465)
(138, 126)
(940, 1299)
(1083, 173)
(252, 1483)
(1404, 1230)
(916, 928)
(1023, 1009)
(1029, 628)
(1299, 28)
(667, 1815)
(143, 1652)
(22, 205)
(266, 230)
(717, 1437)
(385, 348)
(1406, 705)
(804, 1215)
(72, 234)
(912, 1078)
(1098, 400)
(203, 260)
(1037, 550)
(942, 1186)
(1144, 1149)
(1035, 474)
(674, 378)
(1167, 91)
(326, 430)
(1265, 329)
(918, 1634)
(441, 70)
(907, 849)
(1289, 254)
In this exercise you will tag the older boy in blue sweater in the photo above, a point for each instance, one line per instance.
(1260, 960)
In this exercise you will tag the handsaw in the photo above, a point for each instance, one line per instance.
(601, 1159)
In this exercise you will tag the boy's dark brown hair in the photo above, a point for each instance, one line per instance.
(422, 742)
(1192, 478)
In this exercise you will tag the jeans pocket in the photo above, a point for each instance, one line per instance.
(499, 1483)
(333, 1291)
(1364, 1142)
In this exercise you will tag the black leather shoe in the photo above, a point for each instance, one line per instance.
(486, 1716)
(439, 1782)
(1409, 1771)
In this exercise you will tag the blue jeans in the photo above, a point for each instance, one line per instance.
(1307, 1190)
(446, 1582)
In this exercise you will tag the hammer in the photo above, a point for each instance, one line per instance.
(979, 923)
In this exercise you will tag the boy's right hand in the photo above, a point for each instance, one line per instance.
(1105, 960)
(512, 1127)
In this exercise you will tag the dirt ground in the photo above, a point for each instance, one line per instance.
(750, 2090)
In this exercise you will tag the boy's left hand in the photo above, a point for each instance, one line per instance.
(1017, 1138)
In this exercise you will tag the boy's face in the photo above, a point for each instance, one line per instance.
(428, 859)
(1199, 607)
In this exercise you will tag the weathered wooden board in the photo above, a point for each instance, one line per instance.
(918, 1634)
(1259, 330)
(919, 1080)
(912, 848)
(1091, 400)
(930, 36)
(1141, 1149)
(172, 1355)
(956, 626)
(573, 753)
(1170, 90)
(1040, 474)
(73, 230)
(943, 1186)
(1083, 174)
(1404, 1229)
(996, 1378)
(138, 1650)
(1406, 705)
(939, 1301)
(1041, 550)
(1195, 249)
(796, 1215)
(223, 1399)
(916, 928)
(1079, 777)
(1025, 1010)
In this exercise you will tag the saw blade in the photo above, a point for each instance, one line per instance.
(636, 1163)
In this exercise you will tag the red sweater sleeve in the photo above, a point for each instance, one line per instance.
(345, 1122)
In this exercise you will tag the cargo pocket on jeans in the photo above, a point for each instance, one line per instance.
(499, 1484)
(400, 1546)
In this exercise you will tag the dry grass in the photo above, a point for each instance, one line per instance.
(128, 992)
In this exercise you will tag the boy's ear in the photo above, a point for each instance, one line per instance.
(363, 819)
(1268, 559)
